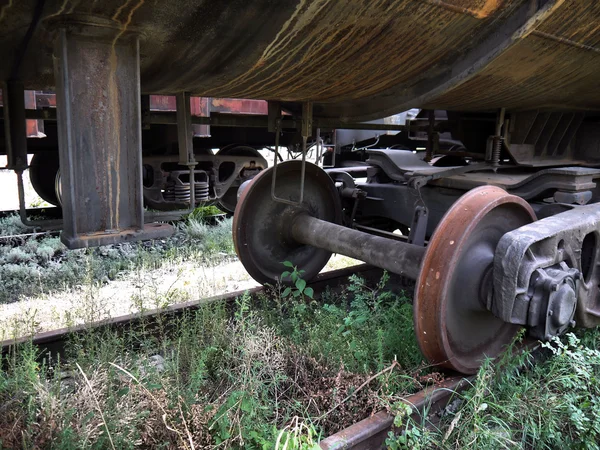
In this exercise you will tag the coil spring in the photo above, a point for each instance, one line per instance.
(176, 190)
(201, 190)
(496, 149)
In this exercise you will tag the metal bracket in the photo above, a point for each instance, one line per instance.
(418, 226)
(14, 125)
(306, 132)
(334, 146)
(185, 137)
(417, 182)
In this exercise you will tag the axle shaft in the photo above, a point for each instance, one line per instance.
(394, 256)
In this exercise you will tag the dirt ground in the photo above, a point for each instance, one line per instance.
(132, 292)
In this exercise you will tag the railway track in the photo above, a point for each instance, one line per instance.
(425, 405)
(369, 433)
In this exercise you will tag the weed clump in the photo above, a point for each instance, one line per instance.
(12, 225)
(210, 239)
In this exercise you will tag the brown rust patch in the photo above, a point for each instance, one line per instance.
(481, 10)
(331, 50)
(555, 66)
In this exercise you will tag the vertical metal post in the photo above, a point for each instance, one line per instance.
(318, 159)
(430, 136)
(306, 132)
(15, 127)
(16, 144)
(185, 137)
(97, 77)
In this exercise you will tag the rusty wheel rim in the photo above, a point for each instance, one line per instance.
(261, 226)
(453, 325)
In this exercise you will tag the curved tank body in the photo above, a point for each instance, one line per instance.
(355, 59)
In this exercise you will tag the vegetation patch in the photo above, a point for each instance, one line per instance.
(521, 403)
(45, 265)
(263, 373)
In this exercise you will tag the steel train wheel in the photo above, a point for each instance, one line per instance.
(260, 231)
(453, 326)
(43, 170)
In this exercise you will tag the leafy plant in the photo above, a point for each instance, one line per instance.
(299, 287)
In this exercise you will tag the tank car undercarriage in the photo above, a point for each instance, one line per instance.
(465, 228)
(497, 220)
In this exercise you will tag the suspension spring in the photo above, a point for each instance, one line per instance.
(498, 139)
(201, 185)
(177, 188)
(497, 149)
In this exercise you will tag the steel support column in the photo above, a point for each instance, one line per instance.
(99, 122)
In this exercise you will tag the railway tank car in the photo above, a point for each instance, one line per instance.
(493, 184)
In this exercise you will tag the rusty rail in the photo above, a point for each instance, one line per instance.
(372, 432)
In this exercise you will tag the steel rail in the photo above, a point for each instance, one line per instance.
(372, 432)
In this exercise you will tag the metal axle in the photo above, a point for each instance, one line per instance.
(397, 257)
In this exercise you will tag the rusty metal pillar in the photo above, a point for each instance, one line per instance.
(99, 122)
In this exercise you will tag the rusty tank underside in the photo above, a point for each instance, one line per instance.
(355, 60)
(486, 194)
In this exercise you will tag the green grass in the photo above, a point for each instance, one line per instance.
(12, 225)
(45, 265)
(520, 403)
(240, 376)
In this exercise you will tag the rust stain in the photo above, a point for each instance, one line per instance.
(120, 9)
(60, 10)
(328, 50)
(553, 66)
(73, 6)
(286, 35)
(486, 9)
(563, 40)
(115, 191)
